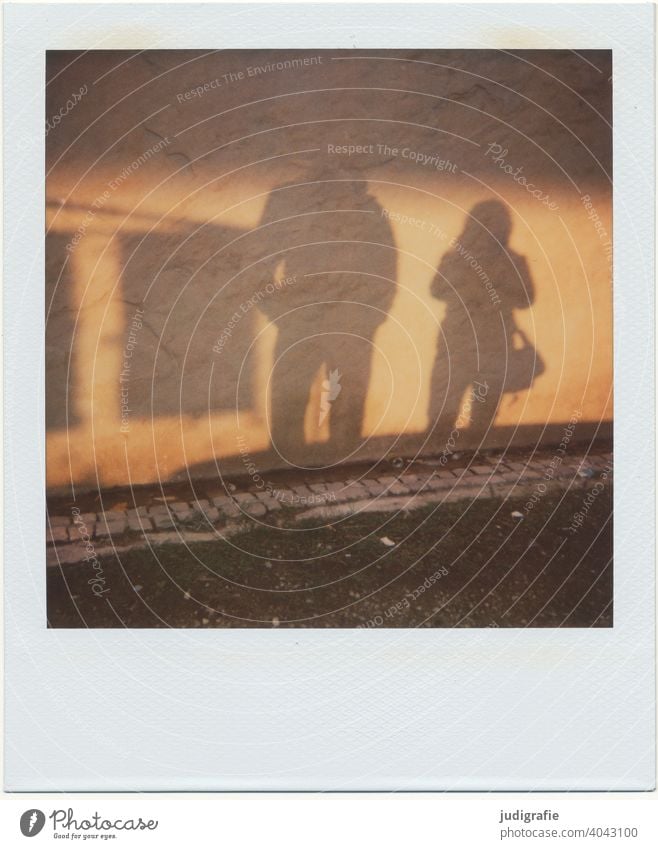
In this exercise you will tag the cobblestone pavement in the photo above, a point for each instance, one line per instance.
(166, 520)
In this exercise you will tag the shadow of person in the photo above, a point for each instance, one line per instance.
(481, 351)
(331, 253)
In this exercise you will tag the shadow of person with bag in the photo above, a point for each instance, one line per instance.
(481, 353)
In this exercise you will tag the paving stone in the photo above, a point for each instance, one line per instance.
(245, 497)
(77, 532)
(114, 516)
(438, 482)
(159, 510)
(163, 521)
(287, 497)
(186, 516)
(387, 480)
(119, 519)
(137, 511)
(302, 494)
(58, 533)
(231, 510)
(415, 483)
(352, 492)
(418, 483)
(269, 500)
(481, 469)
(59, 521)
(318, 487)
(515, 465)
(181, 507)
(222, 500)
(280, 494)
(211, 514)
(374, 487)
(447, 475)
(398, 488)
(139, 523)
(532, 472)
(510, 477)
(335, 486)
(254, 508)
(501, 466)
(88, 518)
(110, 529)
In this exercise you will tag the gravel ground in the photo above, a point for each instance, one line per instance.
(457, 565)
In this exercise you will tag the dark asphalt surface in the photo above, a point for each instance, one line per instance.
(456, 565)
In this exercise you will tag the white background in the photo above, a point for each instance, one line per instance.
(328, 710)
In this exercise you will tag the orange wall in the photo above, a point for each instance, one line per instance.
(166, 192)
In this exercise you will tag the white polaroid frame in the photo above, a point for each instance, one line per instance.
(367, 709)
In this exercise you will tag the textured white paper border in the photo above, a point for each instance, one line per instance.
(459, 709)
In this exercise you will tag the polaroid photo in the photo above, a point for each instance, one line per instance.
(329, 397)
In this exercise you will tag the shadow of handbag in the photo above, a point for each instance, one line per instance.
(524, 365)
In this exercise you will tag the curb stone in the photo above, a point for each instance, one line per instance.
(170, 523)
